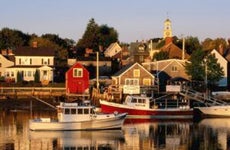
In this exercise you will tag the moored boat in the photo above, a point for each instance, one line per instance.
(213, 111)
(72, 116)
(140, 107)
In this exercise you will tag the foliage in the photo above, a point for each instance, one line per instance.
(210, 44)
(12, 38)
(37, 76)
(191, 44)
(214, 70)
(96, 36)
(196, 69)
(162, 55)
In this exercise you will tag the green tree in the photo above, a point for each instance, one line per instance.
(200, 67)
(37, 76)
(195, 68)
(13, 38)
(162, 55)
(214, 70)
(95, 36)
(191, 44)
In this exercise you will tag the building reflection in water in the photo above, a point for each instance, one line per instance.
(136, 135)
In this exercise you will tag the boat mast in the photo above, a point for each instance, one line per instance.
(97, 72)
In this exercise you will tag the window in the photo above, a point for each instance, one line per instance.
(147, 81)
(67, 111)
(174, 68)
(130, 81)
(73, 111)
(141, 58)
(136, 73)
(30, 61)
(80, 111)
(12, 74)
(42, 61)
(0, 64)
(20, 61)
(77, 72)
(86, 111)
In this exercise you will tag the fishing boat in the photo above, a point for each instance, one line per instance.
(146, 108)
(75, 116)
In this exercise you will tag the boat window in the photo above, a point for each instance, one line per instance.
(67, 111)
(134, 100)
(80, 111)
(73, 111)
(86, 111)
(141, 101)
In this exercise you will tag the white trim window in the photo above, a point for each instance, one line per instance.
(136, 73)
(131, 81)
(77, 72)
(147, 81)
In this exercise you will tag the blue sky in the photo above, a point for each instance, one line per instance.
(133, 19)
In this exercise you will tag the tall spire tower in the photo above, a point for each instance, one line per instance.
(167, 29)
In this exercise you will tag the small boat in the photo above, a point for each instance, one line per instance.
(140, 107)
(213, 111)
(74, 116)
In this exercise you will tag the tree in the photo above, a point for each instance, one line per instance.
(214, 70)
(37, 76)
(13, 38)
(162, 55)
(191, 44)
(96, 36)
(195, 68)
(201, 67)
(210, 44)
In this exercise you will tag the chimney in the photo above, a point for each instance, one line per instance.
(35, 44)
(168, 40)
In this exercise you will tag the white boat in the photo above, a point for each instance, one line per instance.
(141, 107)
(72, 116)
(213, 111)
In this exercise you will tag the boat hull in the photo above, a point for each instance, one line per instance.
(115, 122)
(169, 113)
(213, 111)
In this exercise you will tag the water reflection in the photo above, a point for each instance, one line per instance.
(135, 134)
(86, 140)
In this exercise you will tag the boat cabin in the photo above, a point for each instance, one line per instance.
(137, 101)
(73, 112)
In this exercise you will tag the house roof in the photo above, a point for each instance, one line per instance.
(174, 51)
(30, 51)
(129, 66)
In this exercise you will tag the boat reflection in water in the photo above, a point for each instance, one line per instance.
(86, 140)
(149, 134)
(220, 128)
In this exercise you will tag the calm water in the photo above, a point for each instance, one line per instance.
(208, 134)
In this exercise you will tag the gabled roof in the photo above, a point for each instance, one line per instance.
(128, 67)
(30, 51)
(113, 46)
(174, 51)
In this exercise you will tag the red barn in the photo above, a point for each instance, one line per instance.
(77, 79)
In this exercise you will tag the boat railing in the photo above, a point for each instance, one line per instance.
(201, 97)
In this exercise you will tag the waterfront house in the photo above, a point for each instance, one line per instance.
(28, 60)
(5, 63)
(132, 79)
(77, 79)
(169, 70)
(112, 50)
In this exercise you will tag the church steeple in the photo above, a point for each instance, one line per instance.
(167, 29)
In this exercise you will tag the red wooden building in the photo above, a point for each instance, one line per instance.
(77, 79)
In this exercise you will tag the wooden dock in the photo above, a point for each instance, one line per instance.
(39, 92)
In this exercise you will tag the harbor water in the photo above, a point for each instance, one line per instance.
(206, 134)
